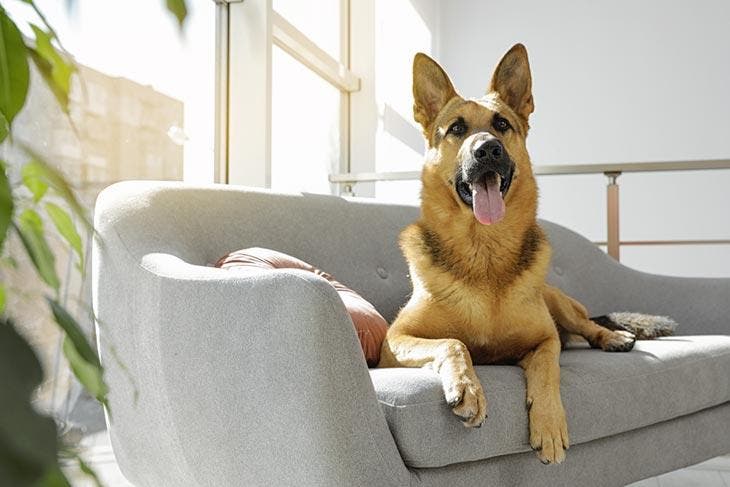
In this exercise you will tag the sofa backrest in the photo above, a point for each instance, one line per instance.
(355, 240)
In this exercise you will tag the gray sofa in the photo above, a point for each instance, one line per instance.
(222, 379)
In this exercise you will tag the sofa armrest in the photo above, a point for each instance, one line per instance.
(238, 379)
(699, 305)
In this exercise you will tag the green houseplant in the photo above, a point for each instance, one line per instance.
(32, 207)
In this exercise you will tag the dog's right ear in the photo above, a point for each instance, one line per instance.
(431, 90)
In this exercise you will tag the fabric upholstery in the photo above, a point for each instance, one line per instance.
(219, 395)
(353, 239)
(370, 326)
(699, 305)
(203, 393)
(603, 394)
(613, 461)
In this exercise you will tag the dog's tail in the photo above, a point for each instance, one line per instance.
(644, 327)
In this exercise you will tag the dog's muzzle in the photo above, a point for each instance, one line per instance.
(484, 178)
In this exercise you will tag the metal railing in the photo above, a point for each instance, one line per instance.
(611, 171)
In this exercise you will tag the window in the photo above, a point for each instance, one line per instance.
(130, 110)
(320, 21)
(287, 62)
(96, 98)
(288, 93)
(305, 118)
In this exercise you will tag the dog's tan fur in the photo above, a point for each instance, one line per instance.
(479, 291)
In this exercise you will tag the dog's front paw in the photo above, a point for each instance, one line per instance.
(466, 398)
(548, 431)
(615, 341)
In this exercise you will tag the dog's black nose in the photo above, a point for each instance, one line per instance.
(490, 151)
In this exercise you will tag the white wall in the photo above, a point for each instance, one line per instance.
(385, 35)
(620, 81)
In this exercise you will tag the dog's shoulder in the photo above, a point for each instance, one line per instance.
(418, 242)
(534, 245)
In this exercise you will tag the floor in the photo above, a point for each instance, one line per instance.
(98, 453)
(712, 473)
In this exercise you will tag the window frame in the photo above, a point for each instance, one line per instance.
(245, 33)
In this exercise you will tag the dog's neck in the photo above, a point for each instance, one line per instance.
(473, 250)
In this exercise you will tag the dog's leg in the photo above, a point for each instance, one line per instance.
(573, 317)
(450, 359)
(548, 427)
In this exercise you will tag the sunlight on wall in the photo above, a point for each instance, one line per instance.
(403, 28)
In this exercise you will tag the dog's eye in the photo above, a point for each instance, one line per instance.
(457, 128)
(501, 124)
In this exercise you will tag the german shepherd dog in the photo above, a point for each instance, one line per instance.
(478, 258)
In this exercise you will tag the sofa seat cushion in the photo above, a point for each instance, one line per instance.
(603, 394)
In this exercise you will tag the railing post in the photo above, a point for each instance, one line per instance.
(612, 215)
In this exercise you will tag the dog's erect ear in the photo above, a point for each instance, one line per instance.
(431, 90)
(513, 82)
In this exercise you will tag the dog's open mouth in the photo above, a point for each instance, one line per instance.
(485, 196)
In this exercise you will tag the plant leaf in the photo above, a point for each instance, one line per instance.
(30, 228)
(88, 471)
(46, 70)
(58, 183)
(66, 228)
(28, 442)
(56, 69)
(14, 71)
(54, 478)
(33, 180)
(6, 204)
(179, 9)
(83, 359)
(74, 333)
(4, 127)
(43, 18)
(91, 376)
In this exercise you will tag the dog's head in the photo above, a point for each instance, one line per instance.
(476, 147)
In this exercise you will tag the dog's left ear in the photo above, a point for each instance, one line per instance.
(513, 82)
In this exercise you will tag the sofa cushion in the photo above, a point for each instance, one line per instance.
(370, 325)
(603, 394)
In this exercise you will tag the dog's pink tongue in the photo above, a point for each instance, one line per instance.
(487, 201)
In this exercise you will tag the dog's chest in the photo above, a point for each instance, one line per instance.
(501, 349)
(503, 329)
